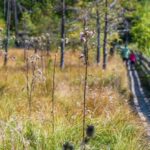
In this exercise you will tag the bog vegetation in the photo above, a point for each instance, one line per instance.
(59, 86)
(29, 124)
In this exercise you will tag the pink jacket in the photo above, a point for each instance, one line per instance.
(132, 57)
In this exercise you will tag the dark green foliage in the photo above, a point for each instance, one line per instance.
(141, 27)
(30, 135)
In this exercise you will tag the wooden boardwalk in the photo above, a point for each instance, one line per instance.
(140, 99)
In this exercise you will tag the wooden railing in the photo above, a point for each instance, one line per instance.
(145, 66)
(145, 62)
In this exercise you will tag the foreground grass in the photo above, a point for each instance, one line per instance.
(116, 127)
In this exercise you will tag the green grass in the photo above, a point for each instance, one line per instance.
(116, 126)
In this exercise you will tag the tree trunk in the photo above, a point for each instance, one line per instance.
(62, 35)
(105, 37)
(5, 7)
(8, 15)
(25, 45)
(98, 36)
(35, 50)
(48, 47)
(16, 21)
(127, 32)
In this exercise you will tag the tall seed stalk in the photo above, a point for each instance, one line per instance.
(53, 95)
(85, 36)
(85, 91)
(37, 76)
(27, 78)
(85, 46)
(85, 80)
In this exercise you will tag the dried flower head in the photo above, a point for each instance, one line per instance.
(90, 131)
(87, 34)
(68, 146)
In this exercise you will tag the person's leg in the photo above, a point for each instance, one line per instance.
(132, 64)
(126, 62)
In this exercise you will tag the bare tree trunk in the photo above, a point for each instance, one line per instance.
(98, 35)
(48, 46)
(62, 35)
(5, 7)
(8, 15)
(127, 32)
(42, 60)
(16, 20)
(36, 44)
(35, 50)
(105, 37)
(26, 44)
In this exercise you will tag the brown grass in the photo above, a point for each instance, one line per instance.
(69, 85)
(108, 92)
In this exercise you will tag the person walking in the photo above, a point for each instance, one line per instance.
(125, 54)
(132, 59)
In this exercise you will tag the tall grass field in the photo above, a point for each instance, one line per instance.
(29, 122)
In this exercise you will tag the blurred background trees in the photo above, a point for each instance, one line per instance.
(128, 18)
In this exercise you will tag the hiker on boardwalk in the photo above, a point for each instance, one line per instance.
(125, 52)
(132, 59)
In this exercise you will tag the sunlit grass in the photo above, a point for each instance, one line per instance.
(107, 107)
